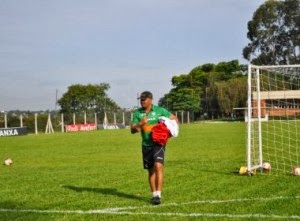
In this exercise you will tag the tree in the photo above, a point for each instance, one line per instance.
(180, 99)
(231, 94)
(82, 98)
(185, 96)
(274, 34)
(199, 90)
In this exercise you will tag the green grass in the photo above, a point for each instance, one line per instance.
(62, 176)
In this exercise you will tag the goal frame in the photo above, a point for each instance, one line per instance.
(249, 111)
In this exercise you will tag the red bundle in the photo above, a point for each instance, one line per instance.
(160, 134)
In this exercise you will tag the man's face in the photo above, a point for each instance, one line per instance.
(145, 102)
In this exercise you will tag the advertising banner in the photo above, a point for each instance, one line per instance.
(110, 126)
(13, 131)
(81, 127)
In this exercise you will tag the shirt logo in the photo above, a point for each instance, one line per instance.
(153, 114)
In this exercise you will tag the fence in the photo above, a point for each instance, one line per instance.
(39, 121)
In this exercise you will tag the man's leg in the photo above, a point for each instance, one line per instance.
(155, 161)
(159, 176)
(152, 180)
(156, 182)
(156, 177)
(159, 157)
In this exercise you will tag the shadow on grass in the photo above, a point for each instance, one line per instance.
(225, 172)
(10, 205)
(107, 191)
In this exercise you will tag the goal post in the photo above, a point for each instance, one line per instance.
(273, 117)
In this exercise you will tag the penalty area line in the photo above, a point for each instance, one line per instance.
(169, 214)
(128, 210)
(203, 202)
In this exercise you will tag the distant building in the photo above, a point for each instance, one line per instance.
(277, 103)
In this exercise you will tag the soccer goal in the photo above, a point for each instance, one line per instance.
(273, 118)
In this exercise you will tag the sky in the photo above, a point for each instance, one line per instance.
(133, 45)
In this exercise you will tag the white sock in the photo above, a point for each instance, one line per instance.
(158, 193)
(154, 193)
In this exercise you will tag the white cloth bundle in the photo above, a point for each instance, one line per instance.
(171, 125)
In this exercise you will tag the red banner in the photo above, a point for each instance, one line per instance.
(81, 127)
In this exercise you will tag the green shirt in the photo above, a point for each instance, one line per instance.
(153, 117)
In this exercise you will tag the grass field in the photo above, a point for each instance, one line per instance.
(99, 176)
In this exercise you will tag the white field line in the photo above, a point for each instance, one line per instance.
(125, 210)
(214, 215)
(203, 202)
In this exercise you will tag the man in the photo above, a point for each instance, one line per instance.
(143, 120)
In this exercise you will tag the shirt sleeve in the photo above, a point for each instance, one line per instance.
(135, 118)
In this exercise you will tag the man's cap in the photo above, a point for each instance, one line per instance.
(146, 94)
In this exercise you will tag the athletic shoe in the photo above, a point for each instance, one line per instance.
(155, 200)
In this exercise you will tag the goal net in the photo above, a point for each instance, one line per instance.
(273, 118)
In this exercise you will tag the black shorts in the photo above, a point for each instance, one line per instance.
(152, 155)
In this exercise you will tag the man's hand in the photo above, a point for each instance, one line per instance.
(137, 127)
(173, 117)
(143, 121)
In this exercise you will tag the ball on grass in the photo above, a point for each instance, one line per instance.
(296, 171)
(243, 170)
(8, 162)
(266, 166)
